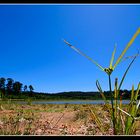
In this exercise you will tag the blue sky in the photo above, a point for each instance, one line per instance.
(32, 50)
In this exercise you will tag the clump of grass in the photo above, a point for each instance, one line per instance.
(80, 114)
(29, 101)
(75, 107)
(66, 105)
(18, 122)
(115, 110)
(14, 125)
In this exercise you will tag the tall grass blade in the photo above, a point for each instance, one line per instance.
(132, 94)
(123, 124)
(132, 111)
(101, 92)
(103, 96)
(133, 129)
(81, 53)
(112, 105)
(120, 124)
(126, 48)
(112, 58)
(138, 104)
(130, 57)
(116, 104)
(115, 97)
(127, 71)
(137, 92)
(97, 120)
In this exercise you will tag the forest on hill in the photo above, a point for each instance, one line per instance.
(10, 89)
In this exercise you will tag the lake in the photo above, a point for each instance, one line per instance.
(70, 102)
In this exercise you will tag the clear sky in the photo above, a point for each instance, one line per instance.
(32, 50)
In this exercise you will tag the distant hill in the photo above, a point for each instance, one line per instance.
(11, 89)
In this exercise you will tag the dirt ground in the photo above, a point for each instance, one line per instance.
(53, 120)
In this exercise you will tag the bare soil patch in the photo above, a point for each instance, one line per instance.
(53, 120)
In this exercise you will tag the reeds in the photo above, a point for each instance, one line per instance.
(116, 111)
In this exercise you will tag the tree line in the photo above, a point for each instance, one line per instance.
(10, 87)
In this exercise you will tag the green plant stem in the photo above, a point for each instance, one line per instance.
(113, 118)
(127, 71)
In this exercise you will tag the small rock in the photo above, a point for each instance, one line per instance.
(1, 123)
(39, 131)
(21, 120)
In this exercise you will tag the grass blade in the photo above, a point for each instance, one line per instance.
(112, 58)
(81, 53)
(123, 124)
(138, 104)
(127, 71)
(126, 48)
(137, 92)
(115, 97)
(132, 94)
(130, 57)
(97, 120)
(100, 90)
(115, 105)
(132, 111)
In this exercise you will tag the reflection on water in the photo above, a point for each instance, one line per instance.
(71, 102)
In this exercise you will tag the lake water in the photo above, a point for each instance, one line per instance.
(71, 102)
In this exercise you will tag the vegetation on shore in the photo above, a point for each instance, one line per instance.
(16, 90)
